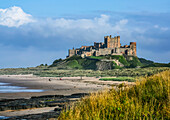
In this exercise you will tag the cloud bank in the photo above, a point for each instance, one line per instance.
(14, 17)
(30, 41)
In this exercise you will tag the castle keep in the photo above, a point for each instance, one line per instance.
(111, 46)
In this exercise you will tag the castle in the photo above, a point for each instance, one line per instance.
(111, 46)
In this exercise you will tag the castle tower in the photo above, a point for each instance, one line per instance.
(107, 41)
(112, 42)
(118, 41)
(71, 52)
(133, 47)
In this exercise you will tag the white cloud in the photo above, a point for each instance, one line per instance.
(156, 26)
(120, 25)
(164, 28)
(70, 28)
(14, 17)
(123, 22)
(87, 29)
(161, 28)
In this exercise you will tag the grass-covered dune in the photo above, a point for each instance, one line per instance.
(53, 72)
(129, 79)
(148, 99)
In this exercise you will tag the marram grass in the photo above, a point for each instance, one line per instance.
(148, 100)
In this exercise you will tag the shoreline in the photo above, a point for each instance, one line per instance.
(66, 86)
(63, 91)
(45, 107)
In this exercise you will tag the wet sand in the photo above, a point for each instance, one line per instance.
(10, 113)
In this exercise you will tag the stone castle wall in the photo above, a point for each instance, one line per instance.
(111, 46)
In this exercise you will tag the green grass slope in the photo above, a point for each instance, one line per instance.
(145, 62)
(149, 63)
(129, 79)
(147, 100)
(158, 65)
(76, 62)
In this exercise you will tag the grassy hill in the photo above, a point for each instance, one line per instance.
(145, 62)
(104, 62)
(147, 100)
(149, 63)
(75, 62)
(93, 62)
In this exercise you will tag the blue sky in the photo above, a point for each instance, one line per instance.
(54, 8)
(39, 31)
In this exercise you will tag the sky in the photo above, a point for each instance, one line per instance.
(34, 32)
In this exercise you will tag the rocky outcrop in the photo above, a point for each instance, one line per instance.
(39, 102)
(104, 65)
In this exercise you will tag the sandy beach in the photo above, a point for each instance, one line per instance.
(51, 86)
(54, 86)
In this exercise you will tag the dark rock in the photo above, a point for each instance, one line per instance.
(38, 102)
(43, 116)
(58, 109)
(77, 95)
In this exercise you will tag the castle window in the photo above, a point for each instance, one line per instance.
(112, 51)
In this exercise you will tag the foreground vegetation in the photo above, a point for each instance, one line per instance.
(148, 99)
(53, 72)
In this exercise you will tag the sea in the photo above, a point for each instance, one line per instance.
(8, 88)
(3, 117)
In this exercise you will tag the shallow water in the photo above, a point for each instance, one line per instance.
(7, 88)
(3, 117)
(4, 83)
